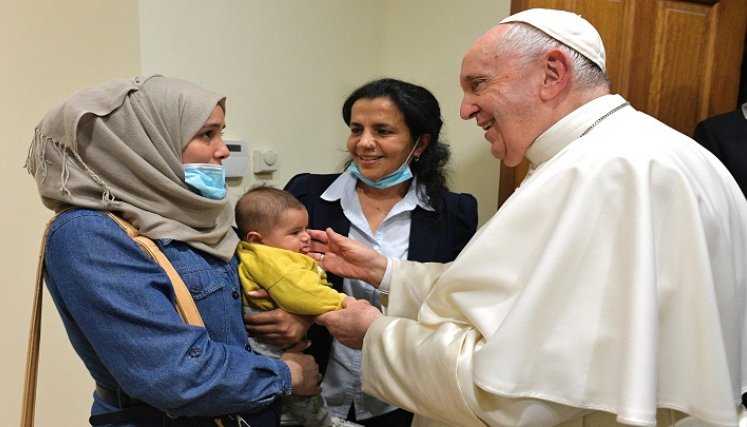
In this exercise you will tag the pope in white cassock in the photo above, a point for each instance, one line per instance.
(611, 284)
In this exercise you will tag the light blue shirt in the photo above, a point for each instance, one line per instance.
(342, 380)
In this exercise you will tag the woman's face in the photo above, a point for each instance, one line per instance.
(207, 145)
(379, 140)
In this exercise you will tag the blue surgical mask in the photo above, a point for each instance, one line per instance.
(206, 179)
(402, 174)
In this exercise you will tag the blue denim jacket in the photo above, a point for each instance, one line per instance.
(117, 306)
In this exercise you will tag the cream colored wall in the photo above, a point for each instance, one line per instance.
(286, 67)
(424, 43)
(48, 49)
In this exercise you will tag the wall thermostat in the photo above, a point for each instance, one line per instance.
(237, 163)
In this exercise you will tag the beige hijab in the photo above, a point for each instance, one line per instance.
(117, 147)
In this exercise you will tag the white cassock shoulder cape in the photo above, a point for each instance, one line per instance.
(612, 280)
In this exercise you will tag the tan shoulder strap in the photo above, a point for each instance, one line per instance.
(32, 355)
(185, 306)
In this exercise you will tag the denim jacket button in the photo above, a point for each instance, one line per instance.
(235, 293)
(195, 352)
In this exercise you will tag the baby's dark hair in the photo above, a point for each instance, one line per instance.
(261, 206)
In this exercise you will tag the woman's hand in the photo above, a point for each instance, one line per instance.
(346, 257)
(277, 326)
(350, 324)
(305, 376)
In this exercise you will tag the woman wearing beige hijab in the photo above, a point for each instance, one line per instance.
(150, 150)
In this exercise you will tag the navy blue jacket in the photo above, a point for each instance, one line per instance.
(434, 236)
(725, 136)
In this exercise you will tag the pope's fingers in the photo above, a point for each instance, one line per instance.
(319, 236)
(318, 248)
(324, 318)
(333, 236)
(348, 300)
(316, 256)
(319, 242)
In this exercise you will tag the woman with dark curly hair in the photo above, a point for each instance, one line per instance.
(393, 197)
(422, 117)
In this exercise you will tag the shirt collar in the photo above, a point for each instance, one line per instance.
(570, 128)
(343, 189)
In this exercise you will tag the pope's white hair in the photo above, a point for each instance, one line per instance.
(528, 43)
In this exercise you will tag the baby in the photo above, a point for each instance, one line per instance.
(272, 256)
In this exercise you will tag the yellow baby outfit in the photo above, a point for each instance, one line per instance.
(294, 280)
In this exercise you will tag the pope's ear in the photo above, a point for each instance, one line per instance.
(558, 70)
(253, 237)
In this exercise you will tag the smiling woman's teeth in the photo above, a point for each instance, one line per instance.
(488, 125)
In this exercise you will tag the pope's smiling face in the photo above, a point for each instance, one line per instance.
(501, 94)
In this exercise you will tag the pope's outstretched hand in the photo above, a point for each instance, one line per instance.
(350, 324)
(346, 257)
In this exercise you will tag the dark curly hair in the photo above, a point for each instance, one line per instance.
(422, 116)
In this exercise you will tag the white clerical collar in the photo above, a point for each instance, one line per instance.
(744, 110)
(343, 189)
(570, 128)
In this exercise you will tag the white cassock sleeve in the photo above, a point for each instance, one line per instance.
(406, 293)
(427, 370)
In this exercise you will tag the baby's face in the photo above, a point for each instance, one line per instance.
(290, 232)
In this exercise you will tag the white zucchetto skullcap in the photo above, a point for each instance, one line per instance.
(568, 28)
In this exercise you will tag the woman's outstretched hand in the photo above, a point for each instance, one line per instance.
(346, 257)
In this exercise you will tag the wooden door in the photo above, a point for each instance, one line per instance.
(676, 60)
